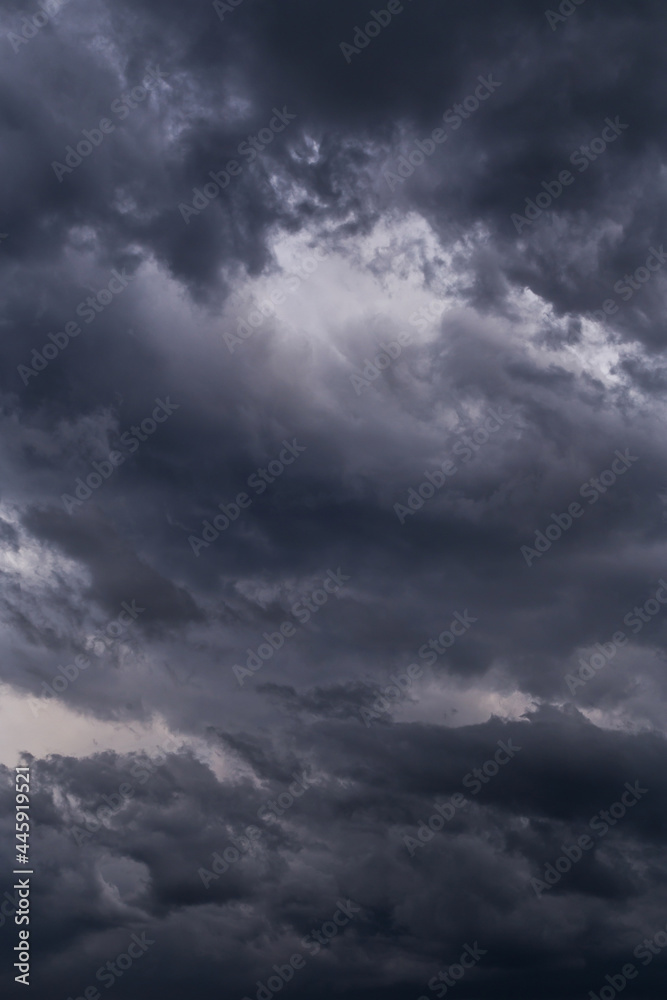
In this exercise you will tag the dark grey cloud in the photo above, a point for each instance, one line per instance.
(530, 362)
(347, 835)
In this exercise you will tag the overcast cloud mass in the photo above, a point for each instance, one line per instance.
(334, 498)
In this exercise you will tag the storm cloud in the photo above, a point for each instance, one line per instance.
(332, 430)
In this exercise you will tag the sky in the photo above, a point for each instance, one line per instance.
(334, 500)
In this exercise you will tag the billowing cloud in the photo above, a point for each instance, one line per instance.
(333, 505)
